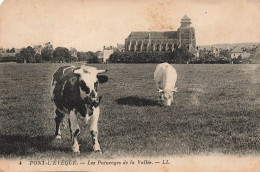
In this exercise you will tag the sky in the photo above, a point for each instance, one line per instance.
(88, 25)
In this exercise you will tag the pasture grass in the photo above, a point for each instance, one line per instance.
(216, 110)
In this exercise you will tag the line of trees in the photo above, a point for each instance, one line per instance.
(179, 55)
(57, 55)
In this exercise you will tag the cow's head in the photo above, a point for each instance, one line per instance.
(89, 77)
(166, 95)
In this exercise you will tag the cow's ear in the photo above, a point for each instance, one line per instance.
(102, 78)
(76, 70)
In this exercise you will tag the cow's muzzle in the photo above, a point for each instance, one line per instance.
(93, 101)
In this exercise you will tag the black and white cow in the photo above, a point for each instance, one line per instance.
(75, 95)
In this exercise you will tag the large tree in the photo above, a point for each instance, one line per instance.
(27, 55)
(86, 56)
(61, 54)
(225, 53)
(46, 53)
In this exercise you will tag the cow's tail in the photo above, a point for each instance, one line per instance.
(52, 88)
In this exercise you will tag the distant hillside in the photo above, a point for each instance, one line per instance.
(226, 46)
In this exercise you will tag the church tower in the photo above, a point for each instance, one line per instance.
(186, 34)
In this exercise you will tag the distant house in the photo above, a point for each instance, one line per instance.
(6, 56)
(18, 50)
(107, 51)
(256, 49)
(209, 52)
(2, 50)
(197, 53)
(6, 53)
(73, 52)
(38, 49)
(120, 48)
(215, 51)
(239, 52)
(100, 56)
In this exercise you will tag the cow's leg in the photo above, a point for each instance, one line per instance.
(75, 130)
(94, 129)
(58, 118)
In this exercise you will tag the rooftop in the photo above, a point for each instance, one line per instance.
(185, 17)
(238, 49)
(152, 35)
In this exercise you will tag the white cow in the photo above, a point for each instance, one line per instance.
(165, 77)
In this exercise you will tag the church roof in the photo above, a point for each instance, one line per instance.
(238, 49)
(120, 45)
(153, 35)
(185, 17)
(185, 21)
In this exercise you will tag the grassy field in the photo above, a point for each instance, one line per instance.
(215, 111)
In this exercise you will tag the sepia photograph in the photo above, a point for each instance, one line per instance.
(130, 85)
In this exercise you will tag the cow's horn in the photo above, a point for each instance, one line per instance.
(160, 90)
(101, 71)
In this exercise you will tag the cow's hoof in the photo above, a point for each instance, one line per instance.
(75, 149)
(58, 137)
(96, 148)
(97, 152)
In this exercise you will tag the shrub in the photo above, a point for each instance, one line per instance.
(61, 54)
(38, 58)
(178, 56)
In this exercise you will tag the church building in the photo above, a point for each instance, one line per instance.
(163, 41)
